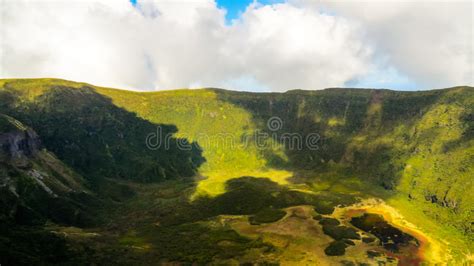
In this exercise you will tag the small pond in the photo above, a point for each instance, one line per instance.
(396, 242)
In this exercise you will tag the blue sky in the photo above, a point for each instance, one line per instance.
(236, 7)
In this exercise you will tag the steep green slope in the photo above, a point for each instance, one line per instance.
(418, 146)
(97, 138)
(35, 184)
(36, 187)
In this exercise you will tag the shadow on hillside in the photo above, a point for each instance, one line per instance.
(467, 135)
(378, 134)
(98, 139)
(248, 195)
(305, 114)
(337, 116)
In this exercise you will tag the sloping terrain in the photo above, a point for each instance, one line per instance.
(239, 154)
(35, 187)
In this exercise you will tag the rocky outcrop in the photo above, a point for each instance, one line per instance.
(35, 185)
(19, 145)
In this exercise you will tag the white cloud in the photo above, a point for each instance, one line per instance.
(174, 44)
(430, 41)
(286, 47)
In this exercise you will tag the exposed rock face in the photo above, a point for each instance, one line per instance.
(34, 184)
(18, 145)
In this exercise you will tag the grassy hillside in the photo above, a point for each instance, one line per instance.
(33, 180)
(97, 138)
(36, 187)
(416, 147)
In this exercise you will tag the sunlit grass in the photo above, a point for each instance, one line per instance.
(449, 244)
(215, 182)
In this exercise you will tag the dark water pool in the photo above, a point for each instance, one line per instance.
(391, 238)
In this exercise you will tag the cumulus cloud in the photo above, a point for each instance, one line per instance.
(173, 44)
(430, 41)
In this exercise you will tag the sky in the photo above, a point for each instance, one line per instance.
(235, 8)
(265, 45)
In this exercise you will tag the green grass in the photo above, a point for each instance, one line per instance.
(457, 244)
(9, 124)
(268, 215)
(414, 149)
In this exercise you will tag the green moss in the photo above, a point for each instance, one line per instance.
(268, 215)
(368, 239)
(336, 248)
(8, 124)
(340, 232)
(196, 243)
(373, 253)
(324, 208)
(17, 247)
(329, 221)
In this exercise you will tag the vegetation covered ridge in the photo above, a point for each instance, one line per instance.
(413, 149)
